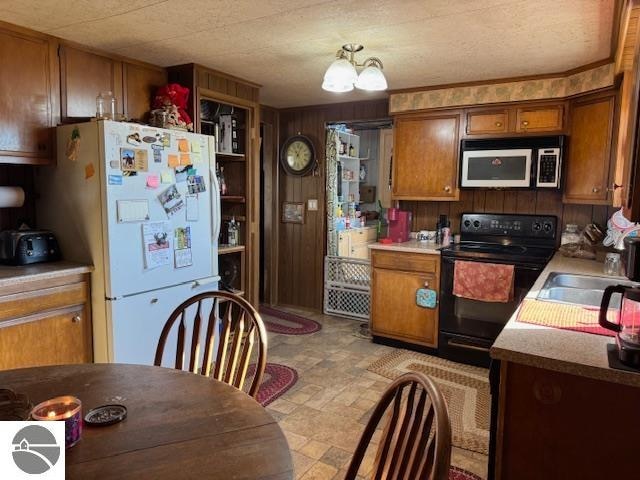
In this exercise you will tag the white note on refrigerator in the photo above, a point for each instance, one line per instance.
(192, 208)
(157, 244)
(132, 210)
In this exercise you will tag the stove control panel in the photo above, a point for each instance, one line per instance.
(495, 224)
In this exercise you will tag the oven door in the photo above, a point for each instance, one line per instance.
(468, 328)
(496, 168)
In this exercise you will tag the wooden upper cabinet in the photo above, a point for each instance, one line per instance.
(26, 109)
(425, 159)
(83, 75)
(482, 122)
(140, 85)
(590, 147)
(540, 119)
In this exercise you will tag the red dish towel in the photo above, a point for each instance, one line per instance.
(487, 282)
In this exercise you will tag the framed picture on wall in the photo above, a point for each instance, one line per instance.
(292, 212)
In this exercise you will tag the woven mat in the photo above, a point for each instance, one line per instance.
(287, 323)
(465, 389)
(564, 317)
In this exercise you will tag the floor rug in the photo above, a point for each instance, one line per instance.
(276, 381)
(465, 388)
(279, 321)
(456, 473)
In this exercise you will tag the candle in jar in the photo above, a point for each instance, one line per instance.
(67, 409)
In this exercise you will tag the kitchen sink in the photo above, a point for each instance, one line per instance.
(579, 289)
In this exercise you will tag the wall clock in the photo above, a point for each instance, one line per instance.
(298, 157)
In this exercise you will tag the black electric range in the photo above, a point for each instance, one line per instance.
(468, 327)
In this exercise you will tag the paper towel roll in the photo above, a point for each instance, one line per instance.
(11, 197)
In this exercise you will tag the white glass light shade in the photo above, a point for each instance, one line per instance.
(372, 79)
(340, 76)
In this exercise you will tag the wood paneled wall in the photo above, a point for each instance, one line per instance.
(301, 247)
(541, 202)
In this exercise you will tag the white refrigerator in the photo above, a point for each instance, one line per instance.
(142, 205)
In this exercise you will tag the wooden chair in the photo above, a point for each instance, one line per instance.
(416, 440)
(239, 325)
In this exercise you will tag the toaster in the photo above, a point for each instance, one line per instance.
(23, 247)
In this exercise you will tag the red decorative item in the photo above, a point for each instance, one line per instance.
(172, 101)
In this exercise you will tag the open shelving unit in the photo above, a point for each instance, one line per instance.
(232, 160)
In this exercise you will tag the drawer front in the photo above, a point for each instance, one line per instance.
(413, 262)
(363, 235)
(489, 122)
(540, 119)
(58, 337)
(29, 303)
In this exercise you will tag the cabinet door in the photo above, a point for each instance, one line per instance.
(394, 311)
(425, 160)
(539, 119)
(496, 121)
(360, 251)
(140, 85)
(57, 337)
(83, 75)
(589, 156)
(25, 99)
(344, 244)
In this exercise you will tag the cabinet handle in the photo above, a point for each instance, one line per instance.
(525, 123)
(595, 189)
(76, 319)
(498, 124)
(614, 187)
(447, 189)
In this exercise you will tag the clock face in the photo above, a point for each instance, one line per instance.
(298, 155)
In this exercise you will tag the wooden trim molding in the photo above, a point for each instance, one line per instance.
(558, 87)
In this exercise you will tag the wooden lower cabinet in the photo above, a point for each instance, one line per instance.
(557, 426)
(394, 312)
(46, 326)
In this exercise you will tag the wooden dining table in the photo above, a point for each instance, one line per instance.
(179, 425)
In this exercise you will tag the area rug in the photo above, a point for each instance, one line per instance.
(456, 473)
(276, 381)
(279, 321)
(465, 389)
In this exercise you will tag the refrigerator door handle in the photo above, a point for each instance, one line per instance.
(215, 200)
(204, 281)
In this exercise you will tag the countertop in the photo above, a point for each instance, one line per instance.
(576, 353)
(412, 246)
(10, 275)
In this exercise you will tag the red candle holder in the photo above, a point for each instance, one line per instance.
(67, 409)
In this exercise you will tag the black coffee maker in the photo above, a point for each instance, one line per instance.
(628, 325)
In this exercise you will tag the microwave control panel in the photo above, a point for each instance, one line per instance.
(548, 168)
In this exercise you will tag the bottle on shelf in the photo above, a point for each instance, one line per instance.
(352, 151)
(232, 232)
(221, 181)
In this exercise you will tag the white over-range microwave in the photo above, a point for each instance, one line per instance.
(530, 162)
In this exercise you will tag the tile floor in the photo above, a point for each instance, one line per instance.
(323, 415)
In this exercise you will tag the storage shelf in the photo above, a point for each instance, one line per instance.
(233, 198)
(347, 157)
(224, 249)
(230, 157)
(239, 218)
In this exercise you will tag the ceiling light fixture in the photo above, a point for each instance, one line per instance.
(342, 76)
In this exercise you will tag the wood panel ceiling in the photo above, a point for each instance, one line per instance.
(286, 46)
